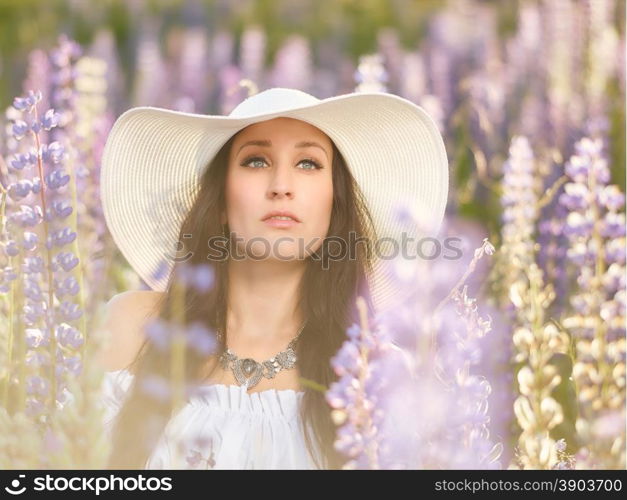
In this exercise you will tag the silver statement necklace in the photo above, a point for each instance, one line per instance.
(248, 372)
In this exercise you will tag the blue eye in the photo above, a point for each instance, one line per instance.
(251, 159)
(316, 165)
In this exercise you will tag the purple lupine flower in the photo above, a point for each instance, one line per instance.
(586, 168)
(67, 286)
(69, 336)
(61, 209)
(57, 179)
(33, 265)
(151, 70)
(371, 75)
(156, 387)
(35, 337)
(50, 120)
(613, 225)
(36, 186)
(67, 261)
(11, 249)
(611, 198)
(26, 216)
(20, 129)
(29, 240)
(615, 251)
(197, 336)
(28, 102)
(52, 153)
(575, 196)
(198, 276)
(201, 338)
(19, 161)
(355, 396)
(70, 311)
(252, 52)
(346, 358)
(33, 312)
(32, 290)
(20, 189)
(194, 458)
(35, 179)
(27, 212)
(158, 332)
(449, 424)
(9, 273)
(204, 277)
(353, 331)
(596, 234)
(37, 385)
(193, 68)
(162, 270)
(61, 237)
(37, 359)
(198, 451)
(292, 64)
(72, 364)
(519, 194)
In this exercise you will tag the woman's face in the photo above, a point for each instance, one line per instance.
(282, 164)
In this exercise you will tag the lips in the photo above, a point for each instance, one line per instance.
(280, 213)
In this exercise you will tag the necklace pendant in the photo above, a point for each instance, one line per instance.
(247, 372)
(248, 366)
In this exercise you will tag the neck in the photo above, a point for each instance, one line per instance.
(263, 302)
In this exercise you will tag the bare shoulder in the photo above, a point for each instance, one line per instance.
(125, 315)
(135, 298)
(132, 306)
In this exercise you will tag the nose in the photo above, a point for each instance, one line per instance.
(281, 182)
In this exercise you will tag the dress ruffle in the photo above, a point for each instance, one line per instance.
(223, 427)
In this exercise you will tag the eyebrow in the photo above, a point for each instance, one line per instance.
(267, 144)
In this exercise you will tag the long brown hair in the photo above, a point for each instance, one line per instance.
(327, 301)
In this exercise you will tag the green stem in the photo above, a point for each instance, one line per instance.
(597, 292)
(79, 271)
(53, 340)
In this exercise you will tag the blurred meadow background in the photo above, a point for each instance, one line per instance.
(526, 332)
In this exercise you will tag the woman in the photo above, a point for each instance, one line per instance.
(302, 188)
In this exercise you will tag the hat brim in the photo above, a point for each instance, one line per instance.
(154, 158)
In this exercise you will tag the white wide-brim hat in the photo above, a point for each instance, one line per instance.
(154, 158)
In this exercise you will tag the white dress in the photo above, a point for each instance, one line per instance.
(223, 427)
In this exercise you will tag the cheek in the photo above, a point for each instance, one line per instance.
(321, 207)
(240, 193)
